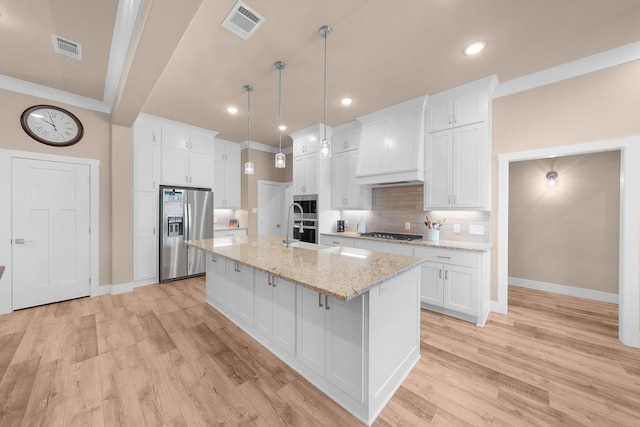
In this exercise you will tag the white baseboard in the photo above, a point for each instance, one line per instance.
(121, 288)
(565, 290)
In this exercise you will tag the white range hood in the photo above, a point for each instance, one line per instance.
(391, 148)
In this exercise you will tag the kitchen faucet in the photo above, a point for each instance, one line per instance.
(288, 241)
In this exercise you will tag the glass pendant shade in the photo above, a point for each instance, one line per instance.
(249, 168)
(281, 160)
(325, 149)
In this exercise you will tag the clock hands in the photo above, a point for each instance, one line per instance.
(51, 122)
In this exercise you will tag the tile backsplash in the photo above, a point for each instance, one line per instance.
(392, 207)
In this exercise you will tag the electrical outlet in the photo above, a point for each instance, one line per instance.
(407, 226)
(346, 222)
(456, 228)
(254, 210)
(476, 229)
(215, 220)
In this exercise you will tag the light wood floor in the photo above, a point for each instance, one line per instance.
(161, 356)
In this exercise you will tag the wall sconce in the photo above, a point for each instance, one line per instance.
(552, 177)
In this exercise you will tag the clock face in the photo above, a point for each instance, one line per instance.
(51, 125)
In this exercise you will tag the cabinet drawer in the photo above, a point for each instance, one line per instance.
(449, 256)
(337, 241)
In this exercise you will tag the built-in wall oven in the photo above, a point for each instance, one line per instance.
(309, 219)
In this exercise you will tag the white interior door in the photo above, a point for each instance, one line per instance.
(51, 238)
(270, 209)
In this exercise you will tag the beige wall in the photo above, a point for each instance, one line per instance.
(96, 144)
(264, 171)
(595, 107)
(566, 234)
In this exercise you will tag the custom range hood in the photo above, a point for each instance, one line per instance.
(391, 150)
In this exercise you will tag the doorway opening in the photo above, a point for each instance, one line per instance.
(629, 230)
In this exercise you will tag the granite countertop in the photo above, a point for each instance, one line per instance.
(343, 273)
(442, 244)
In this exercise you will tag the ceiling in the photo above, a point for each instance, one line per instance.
(176, 61)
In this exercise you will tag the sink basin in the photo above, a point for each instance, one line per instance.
(310, 246)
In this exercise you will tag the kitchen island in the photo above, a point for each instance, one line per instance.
(346, 319)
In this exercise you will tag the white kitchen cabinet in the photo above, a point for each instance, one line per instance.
(145, 237)
(240, 291)
(345, 194)
(187, 156)
(330, 339)
(455, 283)
(227, 189)
(459, 111)
(337, 241)
(391, 147)
(345, 138)
(275, 310)
(216, 281)
(457, 173)
(305, 174)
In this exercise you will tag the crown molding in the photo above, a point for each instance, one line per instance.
(589, 64)
(264, 147)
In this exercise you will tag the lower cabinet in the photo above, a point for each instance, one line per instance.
(275, 310)
(455, 283)
(240, 291)
(337, 241)
(216, 279)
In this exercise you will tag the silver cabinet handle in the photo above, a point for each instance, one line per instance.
(443, 257)
(440, 274)
(326, 302)
(21, 241)
(319, 300)
(446, 274)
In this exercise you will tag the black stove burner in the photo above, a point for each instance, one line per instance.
(392, 236)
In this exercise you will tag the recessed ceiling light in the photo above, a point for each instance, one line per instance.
(475, 48)
(346, 101)
(232, 110)
(282, 127)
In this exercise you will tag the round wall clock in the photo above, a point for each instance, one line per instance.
(51, 125)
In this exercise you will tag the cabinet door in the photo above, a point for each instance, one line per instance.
(145, 239)
(175, 167)
(431, 283)
(219, 184)
(201, 170)
(298, 175)
(264, 313)
(339, 180)
(284, 316)
(338, 142)
(246, 295)
(437, 186)
(468, 166)
(146, 167)
(146, 131)
(461, 287)
(337, 241)
(218, 287)
(232, 184)
(470, 109)
(439, 116)
(201, 142)
(345, 345)
(233, 278)
(311, 173)
(175, 137)
(353, 139)
(374, 135)
(310, 341)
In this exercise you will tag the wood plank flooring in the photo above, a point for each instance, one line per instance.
(160, 356)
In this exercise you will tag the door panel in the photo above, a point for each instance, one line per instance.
(50, 232)
(269, 210)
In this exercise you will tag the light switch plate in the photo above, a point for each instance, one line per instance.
(407, 226)
(456, 228)
(476, 229)
(215, 220)
(254, 210)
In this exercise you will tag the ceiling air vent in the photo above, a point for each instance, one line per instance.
(67, 47)
(242, 21)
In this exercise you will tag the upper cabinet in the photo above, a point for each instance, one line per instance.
(458, 147)
(226, 190)
(307, 176)
(391, 145)
(187, 156)
(345, 194)
(146, 155)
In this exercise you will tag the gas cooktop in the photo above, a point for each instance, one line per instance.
(392, 236)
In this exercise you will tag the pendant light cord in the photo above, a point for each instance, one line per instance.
(280, 107)
(326, 34)
(249, 89)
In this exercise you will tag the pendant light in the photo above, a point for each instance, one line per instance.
(325, 144)
(280, 158)
(249, 168)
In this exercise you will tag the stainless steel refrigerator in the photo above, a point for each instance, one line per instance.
(185, 214)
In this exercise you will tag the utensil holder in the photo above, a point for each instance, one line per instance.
(433, 234)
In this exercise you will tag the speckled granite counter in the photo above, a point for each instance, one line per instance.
(442, 244)
(343, 273)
